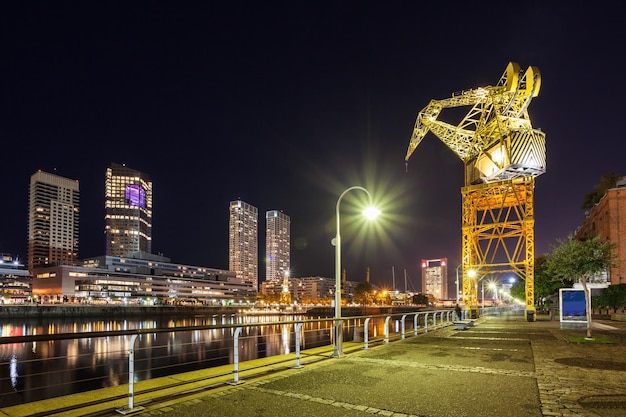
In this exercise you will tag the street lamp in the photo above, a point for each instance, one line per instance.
(483, 290)
(494, 291)
(371, 213)
(457, 282)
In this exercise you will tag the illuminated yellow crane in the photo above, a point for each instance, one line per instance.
(502, 154)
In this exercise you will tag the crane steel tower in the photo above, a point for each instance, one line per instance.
(502, 154)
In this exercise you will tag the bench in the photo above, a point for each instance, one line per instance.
(464, 324)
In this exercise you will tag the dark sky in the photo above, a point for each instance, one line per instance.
(285, 104)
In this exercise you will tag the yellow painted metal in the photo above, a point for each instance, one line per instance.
(498, 234)
(502, 154)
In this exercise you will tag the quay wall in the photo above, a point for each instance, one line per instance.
(362, 311)
(35, 311)
(107, 311)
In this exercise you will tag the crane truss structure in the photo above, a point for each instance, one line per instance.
(498, 234)
(502, 155)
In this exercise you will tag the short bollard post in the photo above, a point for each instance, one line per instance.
(387, 329)
(402, 321)
(131, 379)
(236, 380)
(296, 332)
(365, 332)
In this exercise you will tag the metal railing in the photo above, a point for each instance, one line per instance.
(156, 352)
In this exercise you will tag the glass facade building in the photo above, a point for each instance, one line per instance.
(128, 211)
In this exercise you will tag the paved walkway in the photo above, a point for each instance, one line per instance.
(503, 366)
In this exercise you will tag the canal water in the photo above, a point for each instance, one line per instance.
(38, 370)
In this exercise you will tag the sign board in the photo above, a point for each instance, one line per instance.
(573, 308)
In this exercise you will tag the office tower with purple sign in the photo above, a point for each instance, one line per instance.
(128, 208)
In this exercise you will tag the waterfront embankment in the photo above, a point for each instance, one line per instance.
(107, 311)
(35, 311)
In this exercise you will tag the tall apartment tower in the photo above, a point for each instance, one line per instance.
(128, 211)
(243, 245)
(435, 278)
(277, 246)
(53, 214)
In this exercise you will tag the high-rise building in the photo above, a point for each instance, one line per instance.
(277, 245)
(128, 208)
(243, 246)
(435, 278)
(53, 214)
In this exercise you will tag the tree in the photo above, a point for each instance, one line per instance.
(544, 284)
(518, 290)
(580, 260)
(420, 299)
(362, 293)
(607, 181)
(614, 296)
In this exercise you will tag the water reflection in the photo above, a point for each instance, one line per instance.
(13, 371)
(34, 371)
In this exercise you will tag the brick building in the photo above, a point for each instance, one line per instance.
(607, 219)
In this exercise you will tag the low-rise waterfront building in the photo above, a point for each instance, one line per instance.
(145, 278)
(15, 281)
(308, 290)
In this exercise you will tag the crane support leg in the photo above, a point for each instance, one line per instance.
(498, 237)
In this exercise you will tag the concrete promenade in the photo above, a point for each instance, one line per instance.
(501, 367)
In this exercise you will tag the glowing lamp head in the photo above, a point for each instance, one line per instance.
(371, 213)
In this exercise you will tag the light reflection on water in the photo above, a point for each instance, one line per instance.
(35, 371)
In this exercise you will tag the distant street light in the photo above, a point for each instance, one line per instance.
(457, 282)
(483, 291)
(371, 213)
(493, 286)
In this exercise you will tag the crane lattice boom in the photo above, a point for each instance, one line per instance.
(496, 136)
(502, 154)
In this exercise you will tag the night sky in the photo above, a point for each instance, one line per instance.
(285, 104)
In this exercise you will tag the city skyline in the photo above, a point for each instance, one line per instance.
(285, 106)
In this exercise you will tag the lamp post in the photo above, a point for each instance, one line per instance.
(483, 291)
(371, 213)
(457, 282)
(494, 291)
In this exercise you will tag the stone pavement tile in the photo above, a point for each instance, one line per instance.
(504, 367)
(568, 374)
